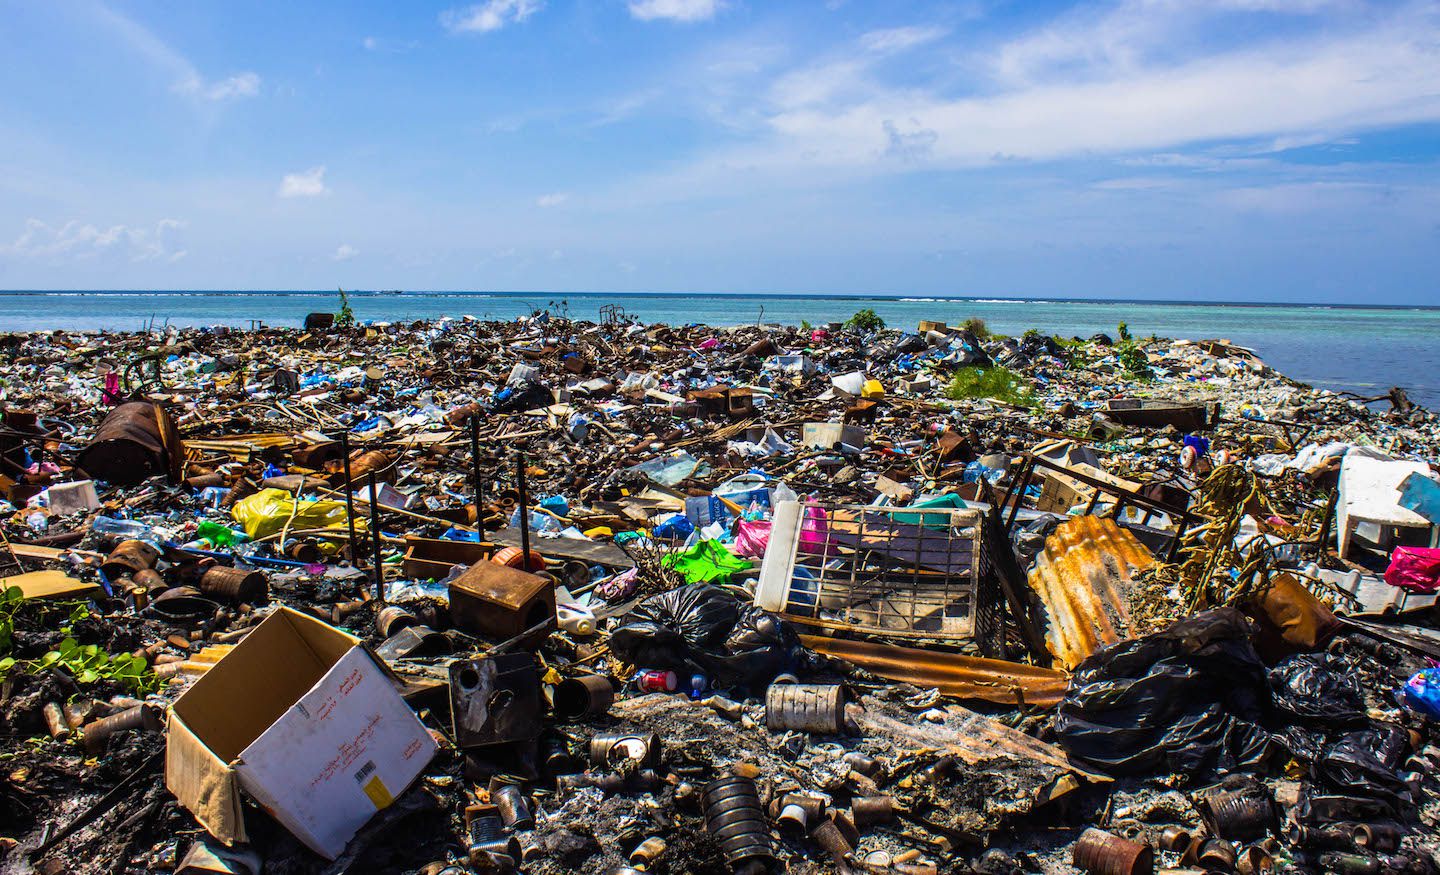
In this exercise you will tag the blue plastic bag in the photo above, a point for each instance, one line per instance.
(1421, 693)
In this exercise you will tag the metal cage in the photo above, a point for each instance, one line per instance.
(893, 572)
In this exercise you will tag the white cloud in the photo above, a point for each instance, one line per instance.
(898, 39)
(674, 10)
(489, 16)
(187, 80)
(309, 183)
(239, 85)
(81, 240)
(554, 199)
(345, 252)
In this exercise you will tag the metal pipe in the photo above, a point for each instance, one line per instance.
(375, 526)
(349, 499)
(475, 477)
(524, 509)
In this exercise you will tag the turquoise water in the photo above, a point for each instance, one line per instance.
(1360, 349)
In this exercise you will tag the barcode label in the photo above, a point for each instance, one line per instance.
(365, 771)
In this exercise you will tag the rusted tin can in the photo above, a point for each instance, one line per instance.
(55, 721)
(128, 559)
(1254, 860)
(304, 550)
(1217, 854)
(1101, 853)
(514, 807)
(829, 837)
(868, 810)
(235, 584)
(648, 851)
(206, 480)
(375, 462)
(510, 558)
(1174, 838)
(393, 619)
(151, 580)
(584, 696)
(655, 680)
(806, 707)
(1239, 817)
(135, 441)
(144, 716)
(613, 748)
(734, 816)
(1377, 838)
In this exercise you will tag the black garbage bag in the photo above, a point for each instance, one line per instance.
(1317, 689)
(1190, 699)
(1353, 766)
(699, 627)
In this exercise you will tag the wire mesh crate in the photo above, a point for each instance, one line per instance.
(893, 572)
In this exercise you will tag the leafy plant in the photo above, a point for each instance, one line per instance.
(996, 383)
(1030, 333)
(805, 326)
(1124, 331)
(976, 326)
(865, 320)
(87, 663)
(346, 316)
(1133, 359)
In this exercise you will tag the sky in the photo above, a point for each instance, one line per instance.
(1245, 150)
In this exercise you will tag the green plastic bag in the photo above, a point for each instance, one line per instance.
(707, 562)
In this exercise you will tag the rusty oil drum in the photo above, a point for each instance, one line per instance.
(235, 584)
(1101, 853)
(135, 442)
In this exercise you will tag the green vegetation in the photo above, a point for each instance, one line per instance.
(1124, 331)
(805, 326)
(1133, 359)
(346, 316)
(995, 383)
(866, 320)
(1030, 333)
(976, 326)
(87, 663)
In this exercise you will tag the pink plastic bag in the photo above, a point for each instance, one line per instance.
(752, 537)
(815, 531)
(1414, 569)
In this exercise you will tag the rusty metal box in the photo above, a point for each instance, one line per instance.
(495, 601)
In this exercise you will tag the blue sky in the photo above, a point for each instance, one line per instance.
(1282, 150)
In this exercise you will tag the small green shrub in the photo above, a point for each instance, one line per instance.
(346, 316)
(865, 320)
(1124, 331)
(976, 326)
(995, 383)
(1133, 359)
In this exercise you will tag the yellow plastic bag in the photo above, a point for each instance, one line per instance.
(266, 512)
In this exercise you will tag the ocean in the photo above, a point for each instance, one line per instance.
(1359, 349)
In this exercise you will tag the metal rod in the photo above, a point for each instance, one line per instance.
(349, 499)
(524, 510)
(375, 530)
(475, 477)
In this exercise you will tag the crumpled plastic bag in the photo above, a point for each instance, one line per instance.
(1317, 689)
(706, 562)
(267, 511)
(1190, 699)
(752, 538)
(702, 627)
(1414, 569)
(1351, 766)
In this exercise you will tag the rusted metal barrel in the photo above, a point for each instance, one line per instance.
(150, 580)
(134, 442)
(1217, 854)
(128, 559)
(146, 717)
(1240, 817)
(613, 748)
(1174, 838)
(806, 707)
(235, 584)
(1381, 838)
(584, 696)
(1101, 853)
(733, 815)
(869, 810)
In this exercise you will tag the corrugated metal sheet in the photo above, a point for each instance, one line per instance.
(1083, 576)
(968, 677)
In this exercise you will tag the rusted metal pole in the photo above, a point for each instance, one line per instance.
(524, 510)
(375, 539)
(475, 477)
(349, 499)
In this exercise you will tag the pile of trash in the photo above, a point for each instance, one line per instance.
(553, 596)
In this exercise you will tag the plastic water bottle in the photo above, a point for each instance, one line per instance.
(123, 529)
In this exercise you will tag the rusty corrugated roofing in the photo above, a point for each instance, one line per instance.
(1083, 576)
(968, 677)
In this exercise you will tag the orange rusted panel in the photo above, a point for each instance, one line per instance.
(1084, 576)
(968, 677)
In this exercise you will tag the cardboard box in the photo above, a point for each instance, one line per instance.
(306, 723)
